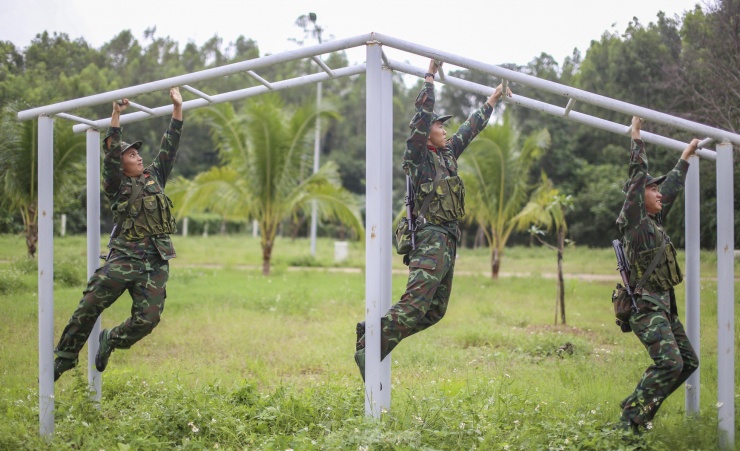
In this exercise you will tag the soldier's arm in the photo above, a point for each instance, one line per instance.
(475, 123)
(676, 178)
(633, 210)
(170, 143)
(112, 172)
(421, 122)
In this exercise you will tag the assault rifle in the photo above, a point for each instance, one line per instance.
(410, 220)
(624, 270)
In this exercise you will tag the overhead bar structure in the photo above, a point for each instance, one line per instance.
(378, 69)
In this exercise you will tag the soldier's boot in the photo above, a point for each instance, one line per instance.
(61, 365)
(105, 348)
(360, 331)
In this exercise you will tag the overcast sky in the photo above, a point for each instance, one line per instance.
(492, 31)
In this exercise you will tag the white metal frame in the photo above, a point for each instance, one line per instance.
(379, 144)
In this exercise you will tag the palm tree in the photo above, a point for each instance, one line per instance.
(495, 169)
(18, 167)
(266, 172)
(547, 209)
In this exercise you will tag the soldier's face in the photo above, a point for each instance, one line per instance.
(133, 165)
(653, 198)
(437, 135)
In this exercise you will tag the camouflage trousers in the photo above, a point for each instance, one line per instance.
(431, 268)
(674, 360)
(145, 281)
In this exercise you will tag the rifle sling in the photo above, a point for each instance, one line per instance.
(651, 268)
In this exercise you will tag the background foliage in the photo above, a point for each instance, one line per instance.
(685, 66)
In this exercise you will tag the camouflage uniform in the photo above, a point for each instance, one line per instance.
(432, 263)
(137, 265)
(656, 323)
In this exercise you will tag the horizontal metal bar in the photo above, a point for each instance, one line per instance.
(260, 79)
(200, 94)
(207, 74)
(323, 66)
(556, 111)
(705, 142)
(141, 108)
(563, 90)
(70, 117)
(229, 96)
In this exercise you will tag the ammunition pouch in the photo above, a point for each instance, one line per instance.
(448, 200)
(150, 215)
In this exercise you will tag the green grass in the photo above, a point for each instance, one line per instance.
(244, 361)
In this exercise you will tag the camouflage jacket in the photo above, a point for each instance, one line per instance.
(118, 189)
(643, 231)
(418, 158)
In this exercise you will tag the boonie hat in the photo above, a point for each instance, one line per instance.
(125, 146)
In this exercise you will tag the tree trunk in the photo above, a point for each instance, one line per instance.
(266, 255)
(31, 230)
(495, 256)
(561, 281)
(495, 263)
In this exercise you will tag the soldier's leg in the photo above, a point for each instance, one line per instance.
(690, 359)
(429, 264)
(441, 297)
(148, 294)
(427, 270)
(655, 332)
(104, 287)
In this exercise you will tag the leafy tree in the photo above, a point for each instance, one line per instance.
(18, 168)
(495, 168)
(266, 173)
(547, 209)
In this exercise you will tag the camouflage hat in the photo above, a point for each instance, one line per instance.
(125, 146)
(436, 117)
(650, 180)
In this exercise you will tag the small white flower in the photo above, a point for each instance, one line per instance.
(719, 404)
(593, 412)
(193, 427)
(215, 446)
(649, 425)
(462, 425)
(567, 442)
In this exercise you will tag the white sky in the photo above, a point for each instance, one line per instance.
(491, 31)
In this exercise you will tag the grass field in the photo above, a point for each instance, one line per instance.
(243, 361)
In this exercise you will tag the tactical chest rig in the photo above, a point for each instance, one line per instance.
(441, 200)
(666, 273)
(145, 216)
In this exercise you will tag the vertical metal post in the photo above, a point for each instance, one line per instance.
(692, 285)
(378, 239)
(316, 149)
(93, 250)
(725, 296)
(386, 214)
(46, 273)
